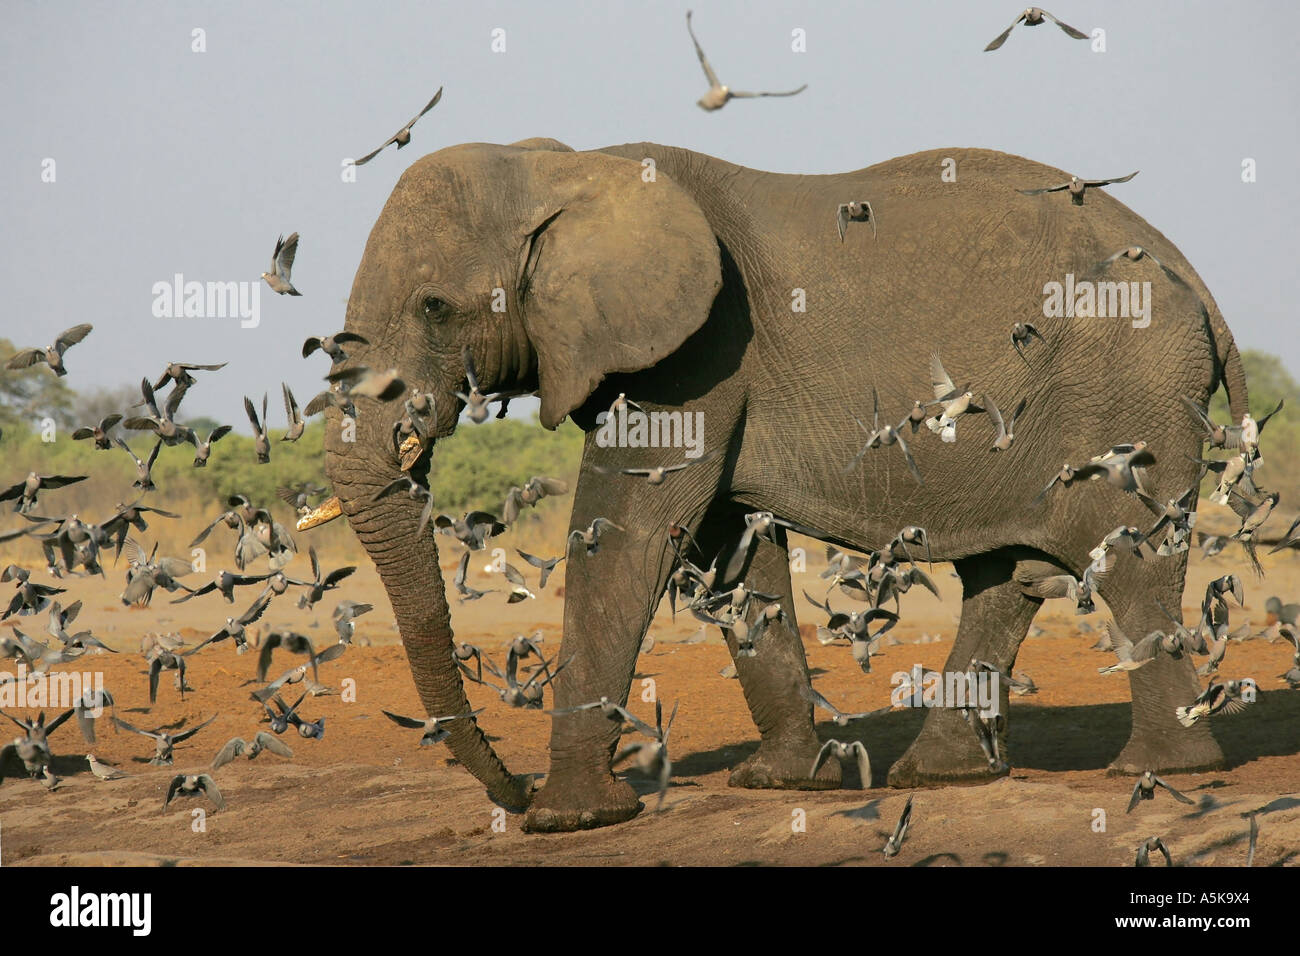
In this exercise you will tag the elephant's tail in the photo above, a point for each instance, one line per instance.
(1228, 368)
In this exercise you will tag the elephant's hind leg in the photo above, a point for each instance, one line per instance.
(1157, 741)
(995, 616)
(772, 681)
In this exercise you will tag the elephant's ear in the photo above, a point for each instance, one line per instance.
(619, 272)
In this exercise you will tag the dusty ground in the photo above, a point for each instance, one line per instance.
(366, 794)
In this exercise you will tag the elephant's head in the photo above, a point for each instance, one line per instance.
(554, 269)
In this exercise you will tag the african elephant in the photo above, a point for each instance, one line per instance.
(677, 283)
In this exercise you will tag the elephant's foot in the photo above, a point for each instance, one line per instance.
(786, 767)
(1186, 750)
(945, 752)
(565, 805)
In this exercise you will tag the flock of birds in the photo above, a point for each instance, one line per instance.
(72, 546)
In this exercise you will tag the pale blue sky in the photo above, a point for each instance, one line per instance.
(172, 161)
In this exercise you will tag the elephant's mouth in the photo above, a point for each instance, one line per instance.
(411, 451)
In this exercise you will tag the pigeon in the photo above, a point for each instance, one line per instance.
(178, 373)
(467, 593)
(103, 771)
(317, 587)
(236, 627)
(838, 717)
(282, 265)
(1211, 544)
(143, 468)
(1216, 699)
(545, 565)
(203, 449)
(100, 432)
(1152, 845)
(854, 750)
(344, 616)
(1006, 429)
(434, 729)
(262, 441)
(160, 421)
(1132, 656)
(1032, 17)
(956, 402)
(164, 743)
(25, 492)
(855, 211)
(237, 747)
(1145, 789)
(192, 785)
(651, 756)
(294, 417)
(1023, 335)
(1136, 254)
(719, 95)
(1078, 187)
(895, 841)
(591, 535)
(51, 355)
(332, 345)
(29, 596)
(656, 475)
(881, 436)
(296, 675)
(403, 135)
(416, 492)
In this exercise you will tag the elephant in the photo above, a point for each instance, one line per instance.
(688, 283)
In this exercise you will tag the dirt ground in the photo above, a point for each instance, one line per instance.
(367, 794)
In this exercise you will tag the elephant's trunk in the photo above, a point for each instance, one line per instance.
(408, 565)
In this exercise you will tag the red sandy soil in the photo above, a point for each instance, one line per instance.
(367, 794)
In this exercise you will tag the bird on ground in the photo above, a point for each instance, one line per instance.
(403, 135)
(104, 771)
(719, 95)
(1032, 17)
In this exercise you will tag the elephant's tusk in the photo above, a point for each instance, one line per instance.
(410, 452)
(323, 513)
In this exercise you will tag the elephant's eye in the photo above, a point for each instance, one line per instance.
(434, 308)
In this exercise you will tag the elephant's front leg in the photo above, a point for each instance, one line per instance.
(609, 600)
(773, 680)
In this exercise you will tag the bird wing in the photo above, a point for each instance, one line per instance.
(1107, 182)
(939, 379)
(708, 70)
(72, 336)
(25, 358)
(284, 255)
(428, 106)
(1001, 38)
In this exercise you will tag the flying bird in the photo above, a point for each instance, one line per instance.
(1078, 187)
(332, 345)
(855, 211)
(1032, 17)
(193, 785)
(403, 135)
(719, 95)
(282, 265)
(51, 355)
(1145, 789)
(895, 841)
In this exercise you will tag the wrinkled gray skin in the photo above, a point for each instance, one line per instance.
(678, 292)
